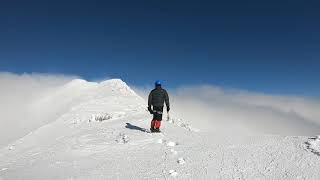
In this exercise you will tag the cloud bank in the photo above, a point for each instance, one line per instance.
(18, 93)
(226, 111)
(29, 101)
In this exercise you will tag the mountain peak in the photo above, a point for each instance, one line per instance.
(113, 81)
(117, 85)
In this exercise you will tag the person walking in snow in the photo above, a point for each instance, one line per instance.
(157, 97)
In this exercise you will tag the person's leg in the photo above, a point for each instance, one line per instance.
(158, 117)
(157, 124)
(153, 123)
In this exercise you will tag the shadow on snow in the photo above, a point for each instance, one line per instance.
(133, 127)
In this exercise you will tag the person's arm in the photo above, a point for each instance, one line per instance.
(149, 102)
(150, 99)
(166, 99)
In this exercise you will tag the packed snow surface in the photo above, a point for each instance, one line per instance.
(105, 135)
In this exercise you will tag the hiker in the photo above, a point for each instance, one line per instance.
(157, 97)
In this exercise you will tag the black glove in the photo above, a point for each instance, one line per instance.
(150, 110)
(168, 109)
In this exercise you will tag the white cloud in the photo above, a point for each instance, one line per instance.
(235, 111)
(17, 94)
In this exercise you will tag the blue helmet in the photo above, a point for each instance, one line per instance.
(157, 83)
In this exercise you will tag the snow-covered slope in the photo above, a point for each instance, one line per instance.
(102, 134)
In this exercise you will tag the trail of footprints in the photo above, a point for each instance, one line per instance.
(180, 160)
(123, 139)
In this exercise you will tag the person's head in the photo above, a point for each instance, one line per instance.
(157, 83)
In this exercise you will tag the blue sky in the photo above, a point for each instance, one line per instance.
(266, 46)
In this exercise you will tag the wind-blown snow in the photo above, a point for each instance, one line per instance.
(101, 132)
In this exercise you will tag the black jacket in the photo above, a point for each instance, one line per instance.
(158, 97)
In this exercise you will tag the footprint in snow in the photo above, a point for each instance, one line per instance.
(171, 144)
(160, 141)
(168, 143)
(122, 139)
(11, 147)
(173, 173)
(173, 151)
(314, 145)
(181, 161)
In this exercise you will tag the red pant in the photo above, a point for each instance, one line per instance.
(155, 124)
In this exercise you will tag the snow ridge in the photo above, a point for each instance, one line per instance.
(103, 135)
